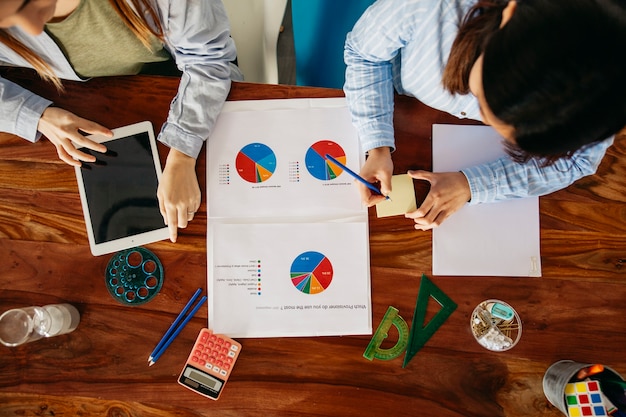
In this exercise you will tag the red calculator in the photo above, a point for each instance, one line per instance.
(209, 364)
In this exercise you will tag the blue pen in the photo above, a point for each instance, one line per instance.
(193, 298)
(177, 331)
(357, 176)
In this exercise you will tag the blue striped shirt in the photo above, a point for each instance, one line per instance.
(404, 45)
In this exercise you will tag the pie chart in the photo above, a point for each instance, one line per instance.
(311, 272)
(316, 163)
(255, 162)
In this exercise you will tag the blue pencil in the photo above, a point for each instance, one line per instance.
(356, 176)
(181, 315)
(178, 330)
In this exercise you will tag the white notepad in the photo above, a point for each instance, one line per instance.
(496, 239)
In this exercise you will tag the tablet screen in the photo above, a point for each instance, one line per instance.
(119, 191)
(121, 188)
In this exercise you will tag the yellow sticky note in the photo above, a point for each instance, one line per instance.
(402, 197)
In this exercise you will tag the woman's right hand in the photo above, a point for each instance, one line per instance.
(62, 127)
(378, 168)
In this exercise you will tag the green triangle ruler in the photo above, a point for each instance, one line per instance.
(420, 333)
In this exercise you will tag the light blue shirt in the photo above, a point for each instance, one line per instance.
(197, 35)
(404, 44)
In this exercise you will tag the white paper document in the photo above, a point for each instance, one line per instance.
(299, 279)
(287, 237)
(497, 239)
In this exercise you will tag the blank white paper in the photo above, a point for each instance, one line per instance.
(495, 239)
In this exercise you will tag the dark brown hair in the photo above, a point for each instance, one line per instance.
(480, 22)
(554, 72)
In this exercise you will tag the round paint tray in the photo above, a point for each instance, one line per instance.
(133, 276)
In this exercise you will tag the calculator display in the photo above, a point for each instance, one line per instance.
(201, 381)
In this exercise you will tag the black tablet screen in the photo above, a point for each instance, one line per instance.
(121, 188)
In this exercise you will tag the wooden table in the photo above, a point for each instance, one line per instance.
(575, 311)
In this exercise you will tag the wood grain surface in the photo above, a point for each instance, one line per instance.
(575, 311)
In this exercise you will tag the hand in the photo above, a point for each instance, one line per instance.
(449, 191)
(62, 128)
(377, 168)
(178, 192)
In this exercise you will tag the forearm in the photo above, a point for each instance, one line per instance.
(198, 37)
(505, 179)
(193, 112)
(20, 110)
(369, 93)
(369, 52)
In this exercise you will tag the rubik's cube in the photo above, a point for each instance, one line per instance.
(584, 399)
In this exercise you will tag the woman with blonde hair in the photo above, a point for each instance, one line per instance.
(81, 39)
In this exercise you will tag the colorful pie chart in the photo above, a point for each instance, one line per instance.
(311, 272)
(317, 164)
(256, 162)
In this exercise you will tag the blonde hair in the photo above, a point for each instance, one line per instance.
(137, 24)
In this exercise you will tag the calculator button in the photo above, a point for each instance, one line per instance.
(223, 372)
(234, 348)
(201, 362)
(194, 359)
(216, 368)
(204, 337)
(227, 344)
(227, 366)
(213, 338)
(231, 354)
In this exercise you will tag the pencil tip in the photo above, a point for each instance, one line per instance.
(151, 363)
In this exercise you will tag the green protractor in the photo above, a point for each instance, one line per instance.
(390, 318)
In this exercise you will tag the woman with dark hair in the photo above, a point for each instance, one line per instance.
(79, 39)
(547, 75)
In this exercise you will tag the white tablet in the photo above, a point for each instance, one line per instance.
(119, 191)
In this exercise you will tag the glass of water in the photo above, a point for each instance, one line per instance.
(27, 324)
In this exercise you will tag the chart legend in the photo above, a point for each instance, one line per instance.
(224, 174)
(258, 277)
(294, 171)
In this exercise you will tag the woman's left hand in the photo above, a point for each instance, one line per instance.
(178, 192)
(449, 191)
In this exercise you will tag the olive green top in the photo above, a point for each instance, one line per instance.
(98, 43)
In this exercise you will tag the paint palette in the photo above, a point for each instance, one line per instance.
(584, 399)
